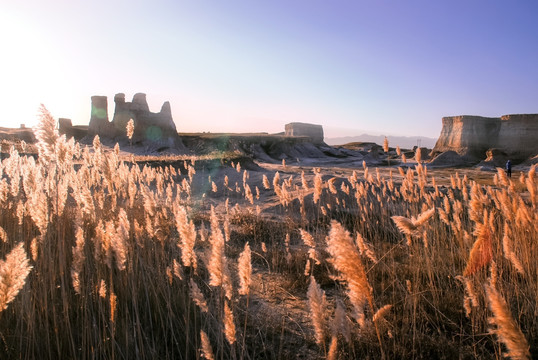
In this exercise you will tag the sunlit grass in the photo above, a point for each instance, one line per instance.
(119, 259)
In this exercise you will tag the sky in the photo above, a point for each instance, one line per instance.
(378, 66)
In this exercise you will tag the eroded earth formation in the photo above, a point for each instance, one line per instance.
(150, 129)
(478, 138)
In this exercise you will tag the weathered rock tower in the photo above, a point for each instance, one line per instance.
(152, 129)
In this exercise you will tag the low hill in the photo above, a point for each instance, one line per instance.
(407, 142)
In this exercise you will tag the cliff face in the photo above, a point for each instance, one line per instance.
(314, 132)
(473, 135)
(519, 134)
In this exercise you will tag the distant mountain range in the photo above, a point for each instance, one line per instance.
(404, 142)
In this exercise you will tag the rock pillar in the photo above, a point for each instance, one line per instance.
(99, 123)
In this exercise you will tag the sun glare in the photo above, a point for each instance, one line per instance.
(27, 69)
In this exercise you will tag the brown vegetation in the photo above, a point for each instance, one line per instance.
(105, 257)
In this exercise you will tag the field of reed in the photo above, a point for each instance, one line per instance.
(106, 257)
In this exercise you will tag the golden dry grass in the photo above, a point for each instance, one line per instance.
(186, 261)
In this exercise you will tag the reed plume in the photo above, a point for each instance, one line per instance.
(266, 184)
(218, 262)
(197, 296)
(503, 178)
(113, 303)
(119, 242)
(346, 259)
(423, 217)
(34, 248)
(277, 188)
(245, 177)
(13, 272)
(412, 227)
(304, 183)
(245, 270)
(532, 172)
(470, 298)
(380, 313)
(386, 145)
(207, 351)
(102, 289)
(318, 186)
(130, 129)
(365, 248)
(177, 269)
(531, 187)
(508, 250)
(287, 246)
(192, 171)
(493, 274)
(226, 227)
(332, 188)
(276, 180)
(340, 323)
(418, 155)
(482, 251)
(308, 239)
(3, 235)
(344, 188)
(317, 303)
(187, 234)
(46, 135)
(506, 328)
(229, 325)
(78, 258)
(333, 349)
(248, 194)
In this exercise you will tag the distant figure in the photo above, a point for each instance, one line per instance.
(509, 168)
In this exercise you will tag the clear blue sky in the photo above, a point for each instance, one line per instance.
(382, 67)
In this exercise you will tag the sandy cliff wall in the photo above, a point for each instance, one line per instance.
(468, 134)
(473, 135)
(519, 134)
